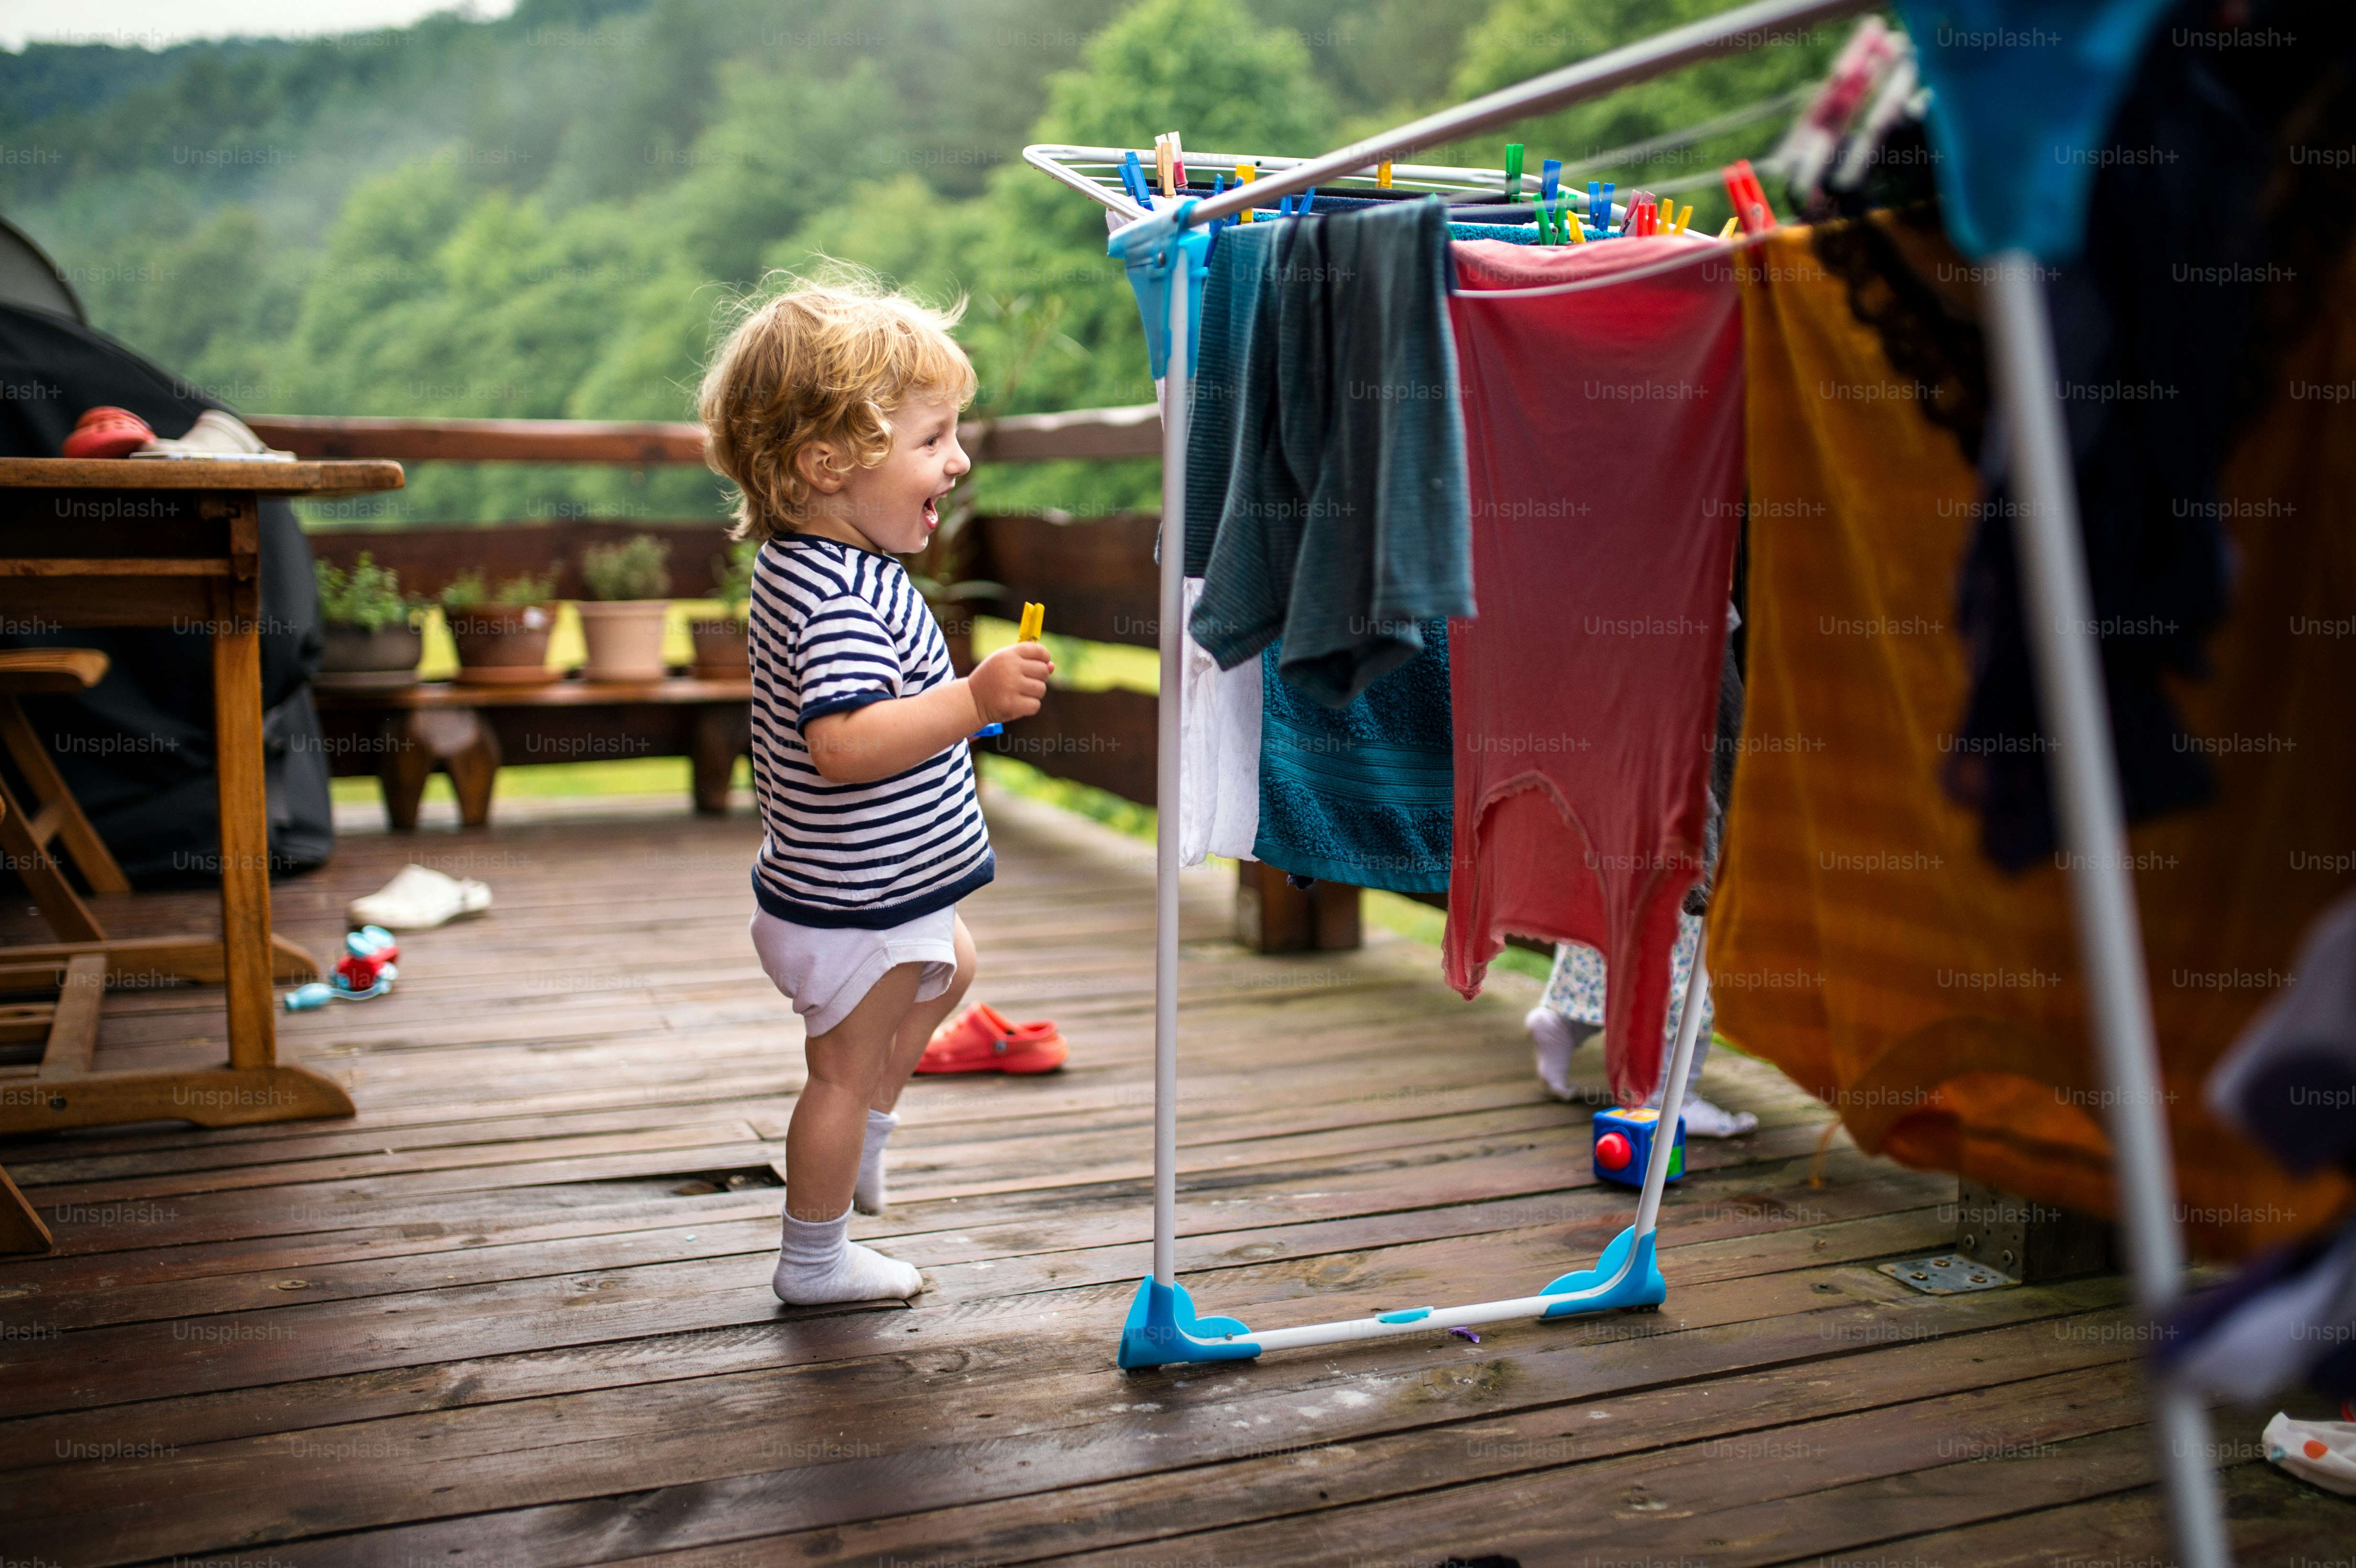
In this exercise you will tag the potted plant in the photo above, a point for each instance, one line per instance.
(373, 642)
(502, 632)
(722, 644)
(622, 621)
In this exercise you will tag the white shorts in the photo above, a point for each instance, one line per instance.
(828, 970)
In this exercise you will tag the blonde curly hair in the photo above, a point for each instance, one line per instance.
(827, 358)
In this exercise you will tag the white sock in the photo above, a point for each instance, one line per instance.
(867, 1197)
(818, 1262)
(1704, 1120)
(1555, 1042)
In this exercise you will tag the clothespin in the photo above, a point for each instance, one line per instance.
(1161, 164)
(1383, 175)
(1551, 180)
(1033, 617)
(1132, 177)
(1750, 199)
(1732, 225)
(1607, 210)
(1513, 171)
(1177, 161)
(1245, 175)
(1685, 219)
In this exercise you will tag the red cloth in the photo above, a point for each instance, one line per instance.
(1604, 434)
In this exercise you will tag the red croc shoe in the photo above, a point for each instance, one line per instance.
(980, 1040)
(107, 432)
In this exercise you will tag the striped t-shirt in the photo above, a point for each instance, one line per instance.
(835, 627)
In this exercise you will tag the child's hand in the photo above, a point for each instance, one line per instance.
(1009, 683)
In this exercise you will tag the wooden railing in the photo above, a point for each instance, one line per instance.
(1090, 433)
(1096, 577)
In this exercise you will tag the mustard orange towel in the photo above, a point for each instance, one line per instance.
(1858, 940)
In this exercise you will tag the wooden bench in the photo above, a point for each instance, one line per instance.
(402, 737)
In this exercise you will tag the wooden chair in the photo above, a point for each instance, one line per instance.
(28, 828)
(21, 1230)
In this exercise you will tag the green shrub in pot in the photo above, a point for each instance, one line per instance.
(721, 649)
(371, 640)
(622, 621)
(501, 631)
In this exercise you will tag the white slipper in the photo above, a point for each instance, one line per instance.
(419, 898)
(1704, 1120)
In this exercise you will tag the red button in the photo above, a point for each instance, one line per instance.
(1612, 1151)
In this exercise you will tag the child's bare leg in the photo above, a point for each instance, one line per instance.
(831, 1116)
(818, 1262)
(916, 1030)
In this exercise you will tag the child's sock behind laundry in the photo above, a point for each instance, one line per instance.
(867, 1197)
(818, 1262)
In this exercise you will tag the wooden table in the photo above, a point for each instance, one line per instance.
(400, 736)
(167, 543)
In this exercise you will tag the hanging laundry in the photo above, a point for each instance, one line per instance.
(1218, 776)
(1605, 449)
(1362, 793)
(2289, 1084)
(1238, 268)
(1858, 939)
(2288, 1318)
(2017, 125)
(2154, 323)
(1341, 524)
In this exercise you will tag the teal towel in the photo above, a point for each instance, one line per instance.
(1365, 794)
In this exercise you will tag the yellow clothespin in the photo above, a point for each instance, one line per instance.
(1727, 232)
(1245, 175)
(1570, 220)
(1034, 616)
(1685, 219)
(1383, 175)
(1162, 163)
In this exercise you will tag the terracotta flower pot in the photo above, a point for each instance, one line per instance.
(500, 645)
(724, 649)
(625, 638)
(357, 659)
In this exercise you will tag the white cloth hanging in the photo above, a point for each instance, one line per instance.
(1218, 776)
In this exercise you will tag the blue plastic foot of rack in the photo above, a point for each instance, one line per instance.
(1643, 1287)
(1162, 1329)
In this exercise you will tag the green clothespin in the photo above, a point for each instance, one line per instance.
(1513, 171)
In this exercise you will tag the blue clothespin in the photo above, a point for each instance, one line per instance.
(1550, 179)
(1132, 177)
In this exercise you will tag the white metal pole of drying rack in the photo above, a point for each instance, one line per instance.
(2062, 643)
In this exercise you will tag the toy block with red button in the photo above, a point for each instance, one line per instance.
(1623, 1146)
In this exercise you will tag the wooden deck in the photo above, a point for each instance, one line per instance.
(519, 1311)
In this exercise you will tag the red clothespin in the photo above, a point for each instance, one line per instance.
(1178, 160)
(1750, 200)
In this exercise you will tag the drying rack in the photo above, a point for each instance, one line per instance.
(1162, 1326)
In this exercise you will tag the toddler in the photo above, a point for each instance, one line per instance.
(834, 410)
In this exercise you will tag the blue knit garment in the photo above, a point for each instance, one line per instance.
(1365, 794)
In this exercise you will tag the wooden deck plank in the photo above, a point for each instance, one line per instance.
(475, 1323)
